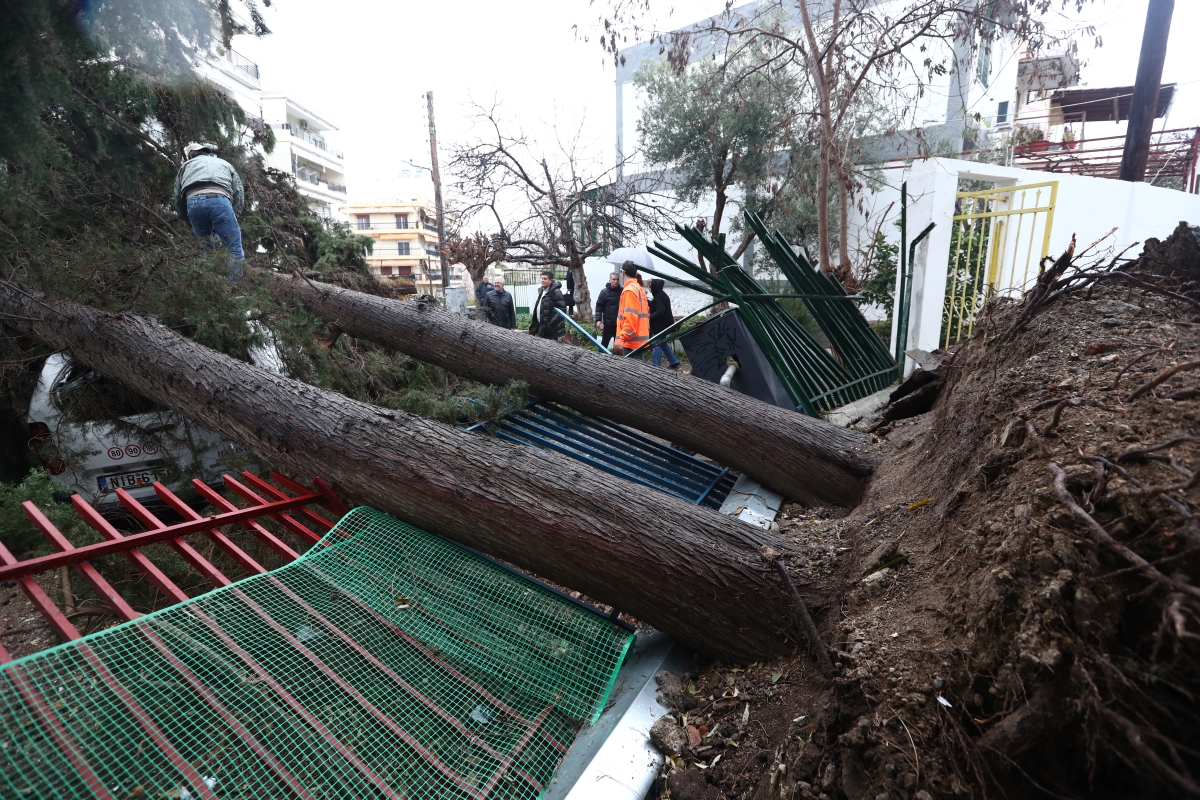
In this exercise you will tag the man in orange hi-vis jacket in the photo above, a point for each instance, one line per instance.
(633, 316)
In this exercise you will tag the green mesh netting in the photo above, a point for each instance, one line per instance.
(387, 662)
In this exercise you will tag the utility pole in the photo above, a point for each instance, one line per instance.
(437, 193)
(1145, 90)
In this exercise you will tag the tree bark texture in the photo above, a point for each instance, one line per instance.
(802, 458)
(685, 569)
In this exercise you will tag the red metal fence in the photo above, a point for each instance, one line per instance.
(1172, 161)
(286, 501)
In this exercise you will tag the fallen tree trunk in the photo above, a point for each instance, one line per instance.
(682, 568)
(802, 458)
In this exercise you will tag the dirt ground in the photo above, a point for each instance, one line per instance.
(989, 641)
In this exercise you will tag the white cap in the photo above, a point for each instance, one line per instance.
(195, 147)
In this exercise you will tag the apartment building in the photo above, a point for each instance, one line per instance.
(406, 239)
(302, 149)
(301, 134)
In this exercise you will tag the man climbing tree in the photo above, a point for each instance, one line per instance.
(208, 196)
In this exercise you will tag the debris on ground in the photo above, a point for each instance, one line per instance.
(1013, 608)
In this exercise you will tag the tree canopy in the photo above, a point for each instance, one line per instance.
(718, 124)
(97, 101)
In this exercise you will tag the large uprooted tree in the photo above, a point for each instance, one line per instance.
(690, 570)
(1012, 602)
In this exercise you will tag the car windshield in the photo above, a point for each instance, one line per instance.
(83, 395)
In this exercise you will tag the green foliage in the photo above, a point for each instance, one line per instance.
(720, 124)
(96, 104)
(878, 281)
(17, 532)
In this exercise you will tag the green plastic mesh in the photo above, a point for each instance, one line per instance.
(386, 662)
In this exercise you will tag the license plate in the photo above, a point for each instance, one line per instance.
(127, 480)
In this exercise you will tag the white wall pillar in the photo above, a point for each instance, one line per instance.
(931, 190)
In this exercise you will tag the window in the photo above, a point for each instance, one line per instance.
(1002, 113)
(402, 221)
(85, 396)
(404, 270)
(402, 248)
(385, 270)
(364, 222)
(983, 71)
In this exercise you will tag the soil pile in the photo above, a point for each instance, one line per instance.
(1014, 608)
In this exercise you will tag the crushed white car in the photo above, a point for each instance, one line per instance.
(94, 436)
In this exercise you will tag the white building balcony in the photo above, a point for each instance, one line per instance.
(238, 67)
(309, 180)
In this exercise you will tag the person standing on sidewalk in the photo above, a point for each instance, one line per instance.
(498, 307)
(208, 196)
(569, 296)
(481, 293)
(661, 318)
(633, 322)
(546, 322)
(608, 304)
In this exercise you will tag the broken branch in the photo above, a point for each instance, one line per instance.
(806, 620)
(1161, 377)
(1104, 538)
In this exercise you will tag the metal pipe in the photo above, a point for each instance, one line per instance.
(727, 378)
(580, 328)
(906, 299)
(674, 328)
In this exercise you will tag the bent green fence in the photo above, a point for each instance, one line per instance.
(815, 379)
(385, 663)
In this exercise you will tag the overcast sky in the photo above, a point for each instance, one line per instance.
(366, 64)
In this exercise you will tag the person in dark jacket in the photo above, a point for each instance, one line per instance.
(546, 323)
(499, 308)
(607, 305)
(481, 293)
(661, 318)
(570, 295)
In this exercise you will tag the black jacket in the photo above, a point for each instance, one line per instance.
(499, 309)
(661, 317)
(546, 323)
(607, 304)
(481, 292)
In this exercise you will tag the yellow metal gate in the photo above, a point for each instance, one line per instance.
(992, 246)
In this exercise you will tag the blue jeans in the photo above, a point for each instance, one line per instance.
(213, 213)
(657, 353)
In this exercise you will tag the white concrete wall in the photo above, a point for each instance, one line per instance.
(1090, 209)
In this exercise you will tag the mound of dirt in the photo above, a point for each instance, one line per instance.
(1013, 608)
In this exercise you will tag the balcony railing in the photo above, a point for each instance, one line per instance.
(394, 250)
(391, 226)
(1172, 162)
(311, 138)
(241, 63)
(312, 176)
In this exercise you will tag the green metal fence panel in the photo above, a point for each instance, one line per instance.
(387, 662)
(815, 379)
